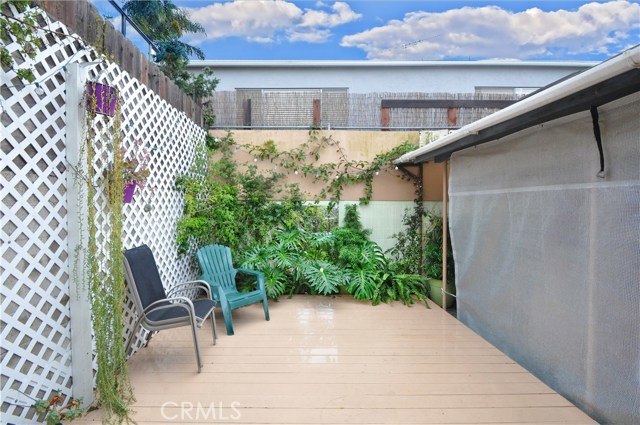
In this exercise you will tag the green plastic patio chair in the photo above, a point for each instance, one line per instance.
(217, 269)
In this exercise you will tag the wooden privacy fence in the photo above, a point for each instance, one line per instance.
(82, 18)
(43, 128)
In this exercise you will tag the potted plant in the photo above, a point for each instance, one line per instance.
(101, 98)
(56, 411)
(135, 169)
(433, 261)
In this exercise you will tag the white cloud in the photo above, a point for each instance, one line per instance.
(316, 36)
(264, 21)
(490, 32)
(257, 21)
(341, 14)
(260, 40)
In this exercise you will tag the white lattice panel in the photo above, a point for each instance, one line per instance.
(36, 340)
(152, 216)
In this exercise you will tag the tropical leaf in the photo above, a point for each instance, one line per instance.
(404, 287)
(256, 258)
(325, 278)
(291, 240)
(275, 283)
(372, 255)
(321, 240)
(282, 257)
(363, 283)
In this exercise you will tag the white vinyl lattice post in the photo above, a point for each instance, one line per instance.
(79, 303)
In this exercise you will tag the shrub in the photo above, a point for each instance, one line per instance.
(295, 261)
(433, 250)
(297, 246)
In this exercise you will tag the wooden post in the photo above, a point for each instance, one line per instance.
(144, 69)
(452, 117)
(421, 190)
(385, 118)
(445, 226)
(154, 75)
(246, 106)
(316, 113)
(77, 210)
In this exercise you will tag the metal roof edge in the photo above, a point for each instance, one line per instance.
(383, 64)
(615, 66)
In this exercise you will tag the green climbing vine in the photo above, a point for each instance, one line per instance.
(233, 203)
(24, 32)
(305, 159)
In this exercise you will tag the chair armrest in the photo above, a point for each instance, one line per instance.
(249, 271)
(174, 302)
(258, 274)
(187, 286)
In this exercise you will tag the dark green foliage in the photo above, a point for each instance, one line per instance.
(365, 264)
(352, 221)
(165, 23)
(323, 277)
(433, 250)
(407, 250)
(294, 261)
(210, 215)
(350, 238)
(211, 142)
(401, 286)
(298, 246)
(236, 208)
(417, 248)
(299, 262)
(199, 86)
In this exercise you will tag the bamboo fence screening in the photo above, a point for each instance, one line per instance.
(37, 213)
(293, 108)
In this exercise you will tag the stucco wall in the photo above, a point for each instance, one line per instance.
(358, 146)
(391, 195)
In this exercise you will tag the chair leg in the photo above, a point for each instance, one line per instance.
(228, 321)
(213, 325)
(265, 305)
(194, 330)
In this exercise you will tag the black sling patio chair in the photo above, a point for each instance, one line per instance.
(158, 309)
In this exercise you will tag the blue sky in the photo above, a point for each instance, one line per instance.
(414, 30)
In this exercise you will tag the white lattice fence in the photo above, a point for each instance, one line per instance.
(171, 138)
(36, 274)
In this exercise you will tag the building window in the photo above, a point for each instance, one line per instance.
(507, 92)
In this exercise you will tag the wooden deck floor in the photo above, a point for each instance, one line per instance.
(338, 361)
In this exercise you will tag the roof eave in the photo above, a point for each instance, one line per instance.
(611, 80)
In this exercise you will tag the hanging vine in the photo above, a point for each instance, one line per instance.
(105, 273)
